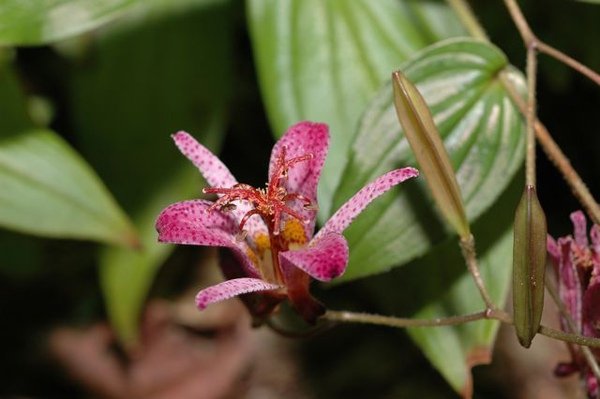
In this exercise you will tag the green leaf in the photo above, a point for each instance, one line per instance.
(34, 22)
(147, 78)
(28, 22)
(324, 60)
(47, 189)
(438, 285)
(454, 350)
(482, 131)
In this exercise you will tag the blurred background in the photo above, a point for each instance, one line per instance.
(113, 92)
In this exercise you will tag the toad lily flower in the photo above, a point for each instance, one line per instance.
(577, 266)
(270, 230)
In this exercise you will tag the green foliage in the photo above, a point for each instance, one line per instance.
(482, 131)
(34, 22)
(149, 76)
(46, 188)
(324, 60)
(449, 290)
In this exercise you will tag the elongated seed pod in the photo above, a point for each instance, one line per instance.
(428, 148)
(529, 266)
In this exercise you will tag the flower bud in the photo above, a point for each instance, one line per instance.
(424, 139)
(529, 266)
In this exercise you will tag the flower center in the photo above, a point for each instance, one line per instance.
(270, 202)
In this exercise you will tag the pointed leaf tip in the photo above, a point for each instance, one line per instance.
(426, 144)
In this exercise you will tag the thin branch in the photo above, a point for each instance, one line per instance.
(468, 19)
(568, 337)
(520, 22)
(557, 157)
(531, 114)
(489, 314)
(398, 322)
(552, 150)
(467, 245)
(567, 60)
(529, 37)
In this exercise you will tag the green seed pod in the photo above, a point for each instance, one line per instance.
(529, 266)
(426, 143)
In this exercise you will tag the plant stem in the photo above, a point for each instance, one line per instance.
(552, 150)
(531, 114)
(557, 157)
(397, 322)
(488, 314)
(468, 19)
(567, 337)
(567, 60)
(467, 246)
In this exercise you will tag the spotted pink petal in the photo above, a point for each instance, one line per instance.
(210, 166)
(348, 212)
(323, 259)
(595, 235)
(579, 228)
(591, 310)
(569, 285)
(231, 288)
(301, 139)
(190, 223)
(553, 250)
(217, 175)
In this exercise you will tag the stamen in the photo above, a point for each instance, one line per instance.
(241, 236)
(228, 208)
(269, 202)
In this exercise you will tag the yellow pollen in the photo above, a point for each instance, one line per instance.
(293, 232)
(262, 243)
(252, 255)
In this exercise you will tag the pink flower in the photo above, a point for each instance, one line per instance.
(577, 265)
(270, 230)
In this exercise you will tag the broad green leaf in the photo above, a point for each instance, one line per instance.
(47, 189)
(432, 158)
(147, 78)
(482, 131)
(438, 285)
(324, 60)
(34, 22)
(454, 350)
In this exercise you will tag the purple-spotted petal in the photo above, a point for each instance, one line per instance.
(217, 175)
(346, 214)
(553, 251)
(301, 139)
(569, 285)
(210, 166)
(591, 310)
(231, 288)
(190, 223)
(579, 228)
(595, 235)
(323, 259)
